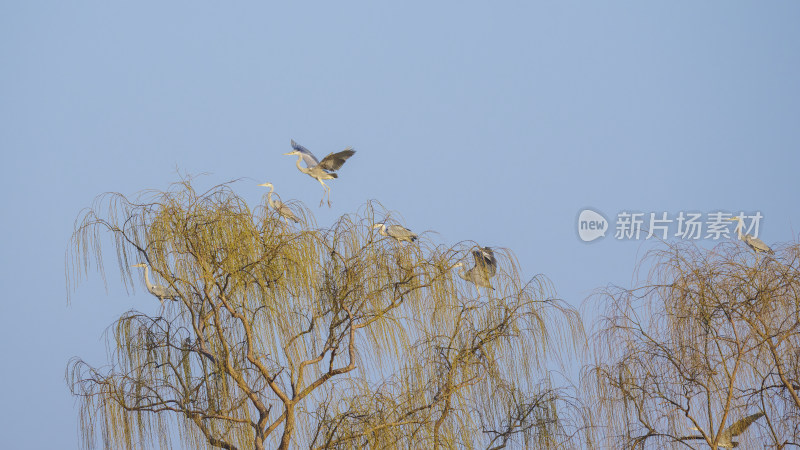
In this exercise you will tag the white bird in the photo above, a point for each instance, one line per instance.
(398, 232)
(753, 242)
(484, 269)
(725, 439)
(162, 292)
(320, 170)
(283, 210)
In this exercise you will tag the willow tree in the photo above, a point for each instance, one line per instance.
(708, 338)
(296, 336)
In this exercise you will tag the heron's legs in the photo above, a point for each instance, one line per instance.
(326, 190)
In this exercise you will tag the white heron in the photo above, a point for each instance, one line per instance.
(162, 292)
(398, 232)
(725, 439)
(283, 210)
(484, 269)
(320, 170)
(755, 243)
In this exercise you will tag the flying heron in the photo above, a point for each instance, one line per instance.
(725, 439)
(162, 292)
(283, 210)
(755, 243)
(320, 170)
(398, 232)
(484, 269)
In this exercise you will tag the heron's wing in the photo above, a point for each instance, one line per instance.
(308, 157)
(757, 244)
(478, 255)
(285, 211)
(163, 291)
(334, 161)
(484, 258)
(739, 427)
(488, 253)
(401, 231)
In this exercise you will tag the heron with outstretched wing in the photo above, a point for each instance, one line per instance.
(484, 269)
(320, 170)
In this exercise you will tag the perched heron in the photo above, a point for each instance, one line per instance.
(320, 170)
(484, 269)
(279, 206)
(725, 439)
(398, 232)
(162, 292)
(484, 257)
(755, 243)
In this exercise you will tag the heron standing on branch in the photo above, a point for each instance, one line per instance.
(484, 269)
(398, 232)
(725, 439)
(753, 242)
(320, 170)
(279, 206)
(162, 292)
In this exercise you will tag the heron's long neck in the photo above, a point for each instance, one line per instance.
(269, 196)
(299, 167)
(147, 277)
(461, 271)
(739, 227)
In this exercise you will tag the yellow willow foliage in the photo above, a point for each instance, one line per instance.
(290, 335)
(708, 337)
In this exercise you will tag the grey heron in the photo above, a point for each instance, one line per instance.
(484, 269)
(320, 170)
(725, 439)
(753, 242)
(398, 232)
(162, 292)
(484, 257)
(279, 206)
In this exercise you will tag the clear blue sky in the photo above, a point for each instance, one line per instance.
(484, 121)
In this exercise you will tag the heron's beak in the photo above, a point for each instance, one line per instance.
(263, 184)
(288, 154)
(733, 218)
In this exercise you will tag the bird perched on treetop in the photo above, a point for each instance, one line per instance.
(162, 292)
(398, 232)
(725, 439)
(484, 269)
(753, 242)
(283, 210)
